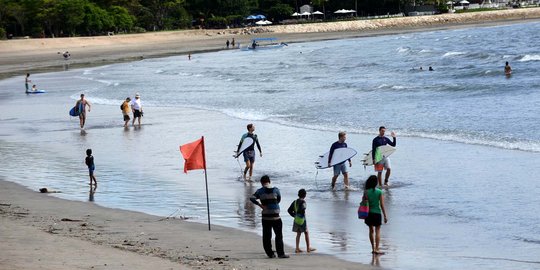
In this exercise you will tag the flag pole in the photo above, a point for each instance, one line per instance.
(206, 182)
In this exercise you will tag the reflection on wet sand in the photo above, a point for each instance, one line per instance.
(247, 212)
(91, 194)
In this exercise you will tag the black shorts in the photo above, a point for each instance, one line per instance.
(373, 219)
(126, 117)
(137, 113)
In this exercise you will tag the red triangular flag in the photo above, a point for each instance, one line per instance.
(193, 154)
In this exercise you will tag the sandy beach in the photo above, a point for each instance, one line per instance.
(44, 232)
(24, 55)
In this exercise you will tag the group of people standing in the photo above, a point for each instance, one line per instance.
(127, 107)
(268, 197)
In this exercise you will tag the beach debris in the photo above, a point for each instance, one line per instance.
(70, 220)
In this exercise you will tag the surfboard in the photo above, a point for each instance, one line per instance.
(384, 150)
(247, 142)
(74, 112)
(37, 92)
(340, 155)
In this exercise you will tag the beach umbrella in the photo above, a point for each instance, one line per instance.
(305, 14)
(449, 3)
(296, 14)
(341, 11)
(260, 17)
(267, 22)
(464, 2)
(317, 13)
(251, 17)
(260, 23)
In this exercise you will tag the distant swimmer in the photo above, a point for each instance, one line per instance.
(430, 68)
(249, 153)
(340, 168)
(27, 81)
(385, 162)
(507, 69)
(421, 68)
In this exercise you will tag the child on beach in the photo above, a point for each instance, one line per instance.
(89, 160)
(297, 210)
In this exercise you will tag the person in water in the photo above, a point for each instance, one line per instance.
(34, 88)
(89, 161)
(385, 162)
(136, 107)
(297, 210)
(249, 153)
(430, 68)
(254, 44)
(268, 199)
(340, 167)
(81, 108)
(126, 110)
(27, 82)
(507, 69)
(374, 218)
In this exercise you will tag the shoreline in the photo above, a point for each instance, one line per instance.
(157, 241)
(20, 56)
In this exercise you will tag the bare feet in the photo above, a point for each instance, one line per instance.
(377, 252)
(311, 249)
(298, 250)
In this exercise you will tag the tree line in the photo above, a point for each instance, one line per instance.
(59, 18)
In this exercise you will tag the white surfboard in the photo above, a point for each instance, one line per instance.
(340, 155)
(247, 142)
(386, 151)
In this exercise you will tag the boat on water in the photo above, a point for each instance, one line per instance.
(264, 44)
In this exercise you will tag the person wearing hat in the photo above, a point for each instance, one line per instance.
(136, 107)
(125, 111)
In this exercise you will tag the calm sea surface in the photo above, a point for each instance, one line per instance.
(466, 189)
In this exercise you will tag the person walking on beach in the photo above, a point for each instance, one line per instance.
(81, 107)
(268, 199)
(297, 210)
(233, 43)
(89, 161)
(374, 218)
(126, 110)
(27, 81)
(227, 43)
(383, 164)
(341, 167)
(136, 107)
(507, 69)
(249, 153)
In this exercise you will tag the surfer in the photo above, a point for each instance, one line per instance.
(374, 218)
(249, 153)
(507, 69)
(384, 163)
(136, 107)
(89, 161)
(27, 81)
(341, 167)
(125, 111)
(81, 107)
(268, 199)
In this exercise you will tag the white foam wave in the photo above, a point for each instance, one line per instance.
(403, 49)
(159, 71)
(450, 54)
(530, 57)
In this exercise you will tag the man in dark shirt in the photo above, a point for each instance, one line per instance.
(341, 167)
(385, 162)
(249, 153)
(268, 198)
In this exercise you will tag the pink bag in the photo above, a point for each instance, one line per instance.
(363, 209)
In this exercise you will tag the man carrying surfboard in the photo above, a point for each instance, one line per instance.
(340, 167)
(381, 162)
(249, 152)
(81, 108)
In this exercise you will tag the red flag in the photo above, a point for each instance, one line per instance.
(193, 154)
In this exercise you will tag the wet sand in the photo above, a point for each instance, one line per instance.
(41, 231)
(34, 55)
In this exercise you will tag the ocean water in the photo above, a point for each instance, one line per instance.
(465, 192)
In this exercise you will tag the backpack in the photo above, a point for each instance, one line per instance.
(298, 219)
(122, 106)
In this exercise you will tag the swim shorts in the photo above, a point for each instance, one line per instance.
(383, 164)
(126, 117)
(91, 170)
(340, 168)
(137, 113)
(373, 219)
(249, 155)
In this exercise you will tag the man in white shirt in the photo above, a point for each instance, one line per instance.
(136, 107)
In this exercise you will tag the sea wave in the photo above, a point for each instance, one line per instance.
(451, 54)
(530, 57)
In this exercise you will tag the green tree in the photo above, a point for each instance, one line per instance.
(122, 20)
(96, 19)
(280, 12)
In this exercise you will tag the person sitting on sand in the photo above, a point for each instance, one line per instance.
(297, 210)
(507, 69)
(66, 55)
(34, 88)
(374, 219)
